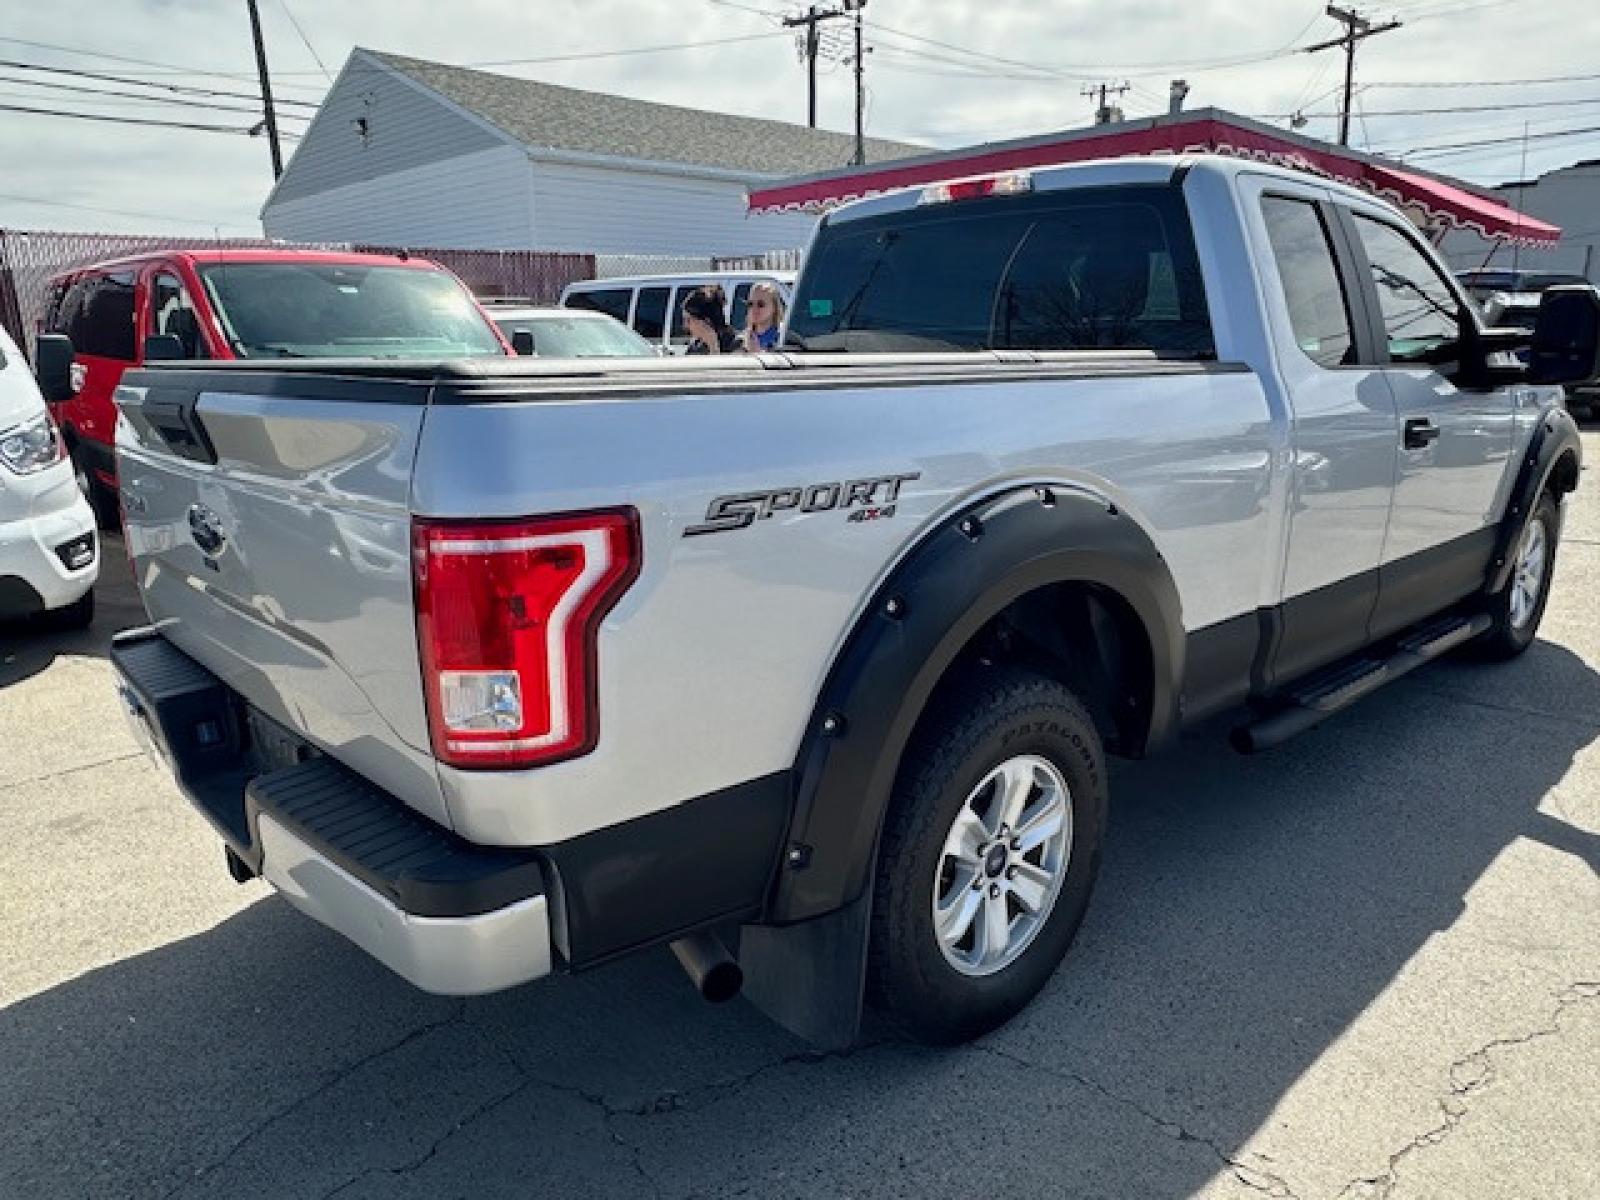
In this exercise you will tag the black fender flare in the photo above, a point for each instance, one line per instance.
(941, 594)
(1555, 437)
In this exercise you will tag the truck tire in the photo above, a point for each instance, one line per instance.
(1517, 608)
(989, 853)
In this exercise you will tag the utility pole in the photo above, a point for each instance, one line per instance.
(1357, 29)
(1104, 113)
(266, 91)
(860, 159)
(810, 19)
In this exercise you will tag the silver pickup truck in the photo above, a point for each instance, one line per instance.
(808, 663)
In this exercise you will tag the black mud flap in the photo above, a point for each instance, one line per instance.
(811, 977)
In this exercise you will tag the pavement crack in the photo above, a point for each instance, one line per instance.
(73, 770)
(1467, 1075)
(288, 1110)
(1252, 1177)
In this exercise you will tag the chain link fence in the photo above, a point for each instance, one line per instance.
(29, 259)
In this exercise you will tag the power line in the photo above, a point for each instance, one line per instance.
(288, 12)
(53, 202)
(83, 116)
(166, 68)
(175, 88)
(1447, 148)
(110, 93)
(1478, 83)
(1462, 108)
(553, 58)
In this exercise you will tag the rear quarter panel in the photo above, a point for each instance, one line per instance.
(710, 664)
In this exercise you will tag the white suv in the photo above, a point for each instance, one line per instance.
(49, 555)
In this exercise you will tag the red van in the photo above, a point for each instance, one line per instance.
(243, 304)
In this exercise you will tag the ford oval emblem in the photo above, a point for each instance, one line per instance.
(206, 529)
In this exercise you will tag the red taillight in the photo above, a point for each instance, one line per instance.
(507, 618)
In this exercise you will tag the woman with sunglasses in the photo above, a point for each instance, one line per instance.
(705, 316)
(763, 318)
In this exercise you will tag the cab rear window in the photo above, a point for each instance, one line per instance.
(1090, 269)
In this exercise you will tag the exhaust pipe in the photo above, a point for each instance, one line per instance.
(707, 962)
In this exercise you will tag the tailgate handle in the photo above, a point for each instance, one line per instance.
(179, 426)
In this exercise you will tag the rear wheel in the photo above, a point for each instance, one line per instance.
(989, 854)
(1517, 608)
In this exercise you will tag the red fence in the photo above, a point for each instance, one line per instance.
(29, 258)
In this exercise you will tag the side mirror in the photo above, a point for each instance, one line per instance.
(1566, 336)
(522, 341)
(53, 355)
(163, 347)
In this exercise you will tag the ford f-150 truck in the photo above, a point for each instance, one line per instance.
(808, 663)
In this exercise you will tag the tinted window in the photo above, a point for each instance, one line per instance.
(650, 314)
(1090, 269)
(1318, 308)
(101, 322)
(171, 311)
(1419, 309)
(323, 310)
(612, 302)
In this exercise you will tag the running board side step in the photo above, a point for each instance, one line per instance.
(1341, 685)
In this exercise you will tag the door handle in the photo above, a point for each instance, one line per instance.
(1419, 432)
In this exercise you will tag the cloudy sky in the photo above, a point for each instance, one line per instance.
(943, 72)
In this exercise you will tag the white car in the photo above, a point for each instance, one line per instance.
(49, 555)
(567, 332)
(652, 305)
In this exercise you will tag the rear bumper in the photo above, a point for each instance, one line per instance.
(451, 917)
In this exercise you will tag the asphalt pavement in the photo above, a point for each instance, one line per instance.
(1366, 964)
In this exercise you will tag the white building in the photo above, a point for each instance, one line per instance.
(1568, 197)
(407, 152)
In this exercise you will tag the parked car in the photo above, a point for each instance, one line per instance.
(652, 305)
(49, 555)
(251, 304)
(1483, 282)
(567, 332)
(831, 647)
(1510, 300)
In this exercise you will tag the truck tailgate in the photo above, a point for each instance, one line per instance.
(270, 534)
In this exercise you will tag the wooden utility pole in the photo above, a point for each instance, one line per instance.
(1103, 111)
(860, 159)
(811, 18)
(266, 91)
(1357, 29)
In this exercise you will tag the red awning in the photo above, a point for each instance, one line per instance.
(1439, 203)
(1433, 201)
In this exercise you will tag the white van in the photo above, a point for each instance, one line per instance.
(49, 554)
(646, 302)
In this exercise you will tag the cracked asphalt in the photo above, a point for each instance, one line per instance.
(1366, 964)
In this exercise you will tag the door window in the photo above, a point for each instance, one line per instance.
(680, 331)
(171, 311)
(1421, 316)
(1319, 311)
(650, 314)
(102, 324)
(612, 301)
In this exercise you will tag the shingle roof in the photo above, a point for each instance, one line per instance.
(543, 115)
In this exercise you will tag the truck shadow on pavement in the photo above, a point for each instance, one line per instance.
(27, 647)
(1249, 911)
